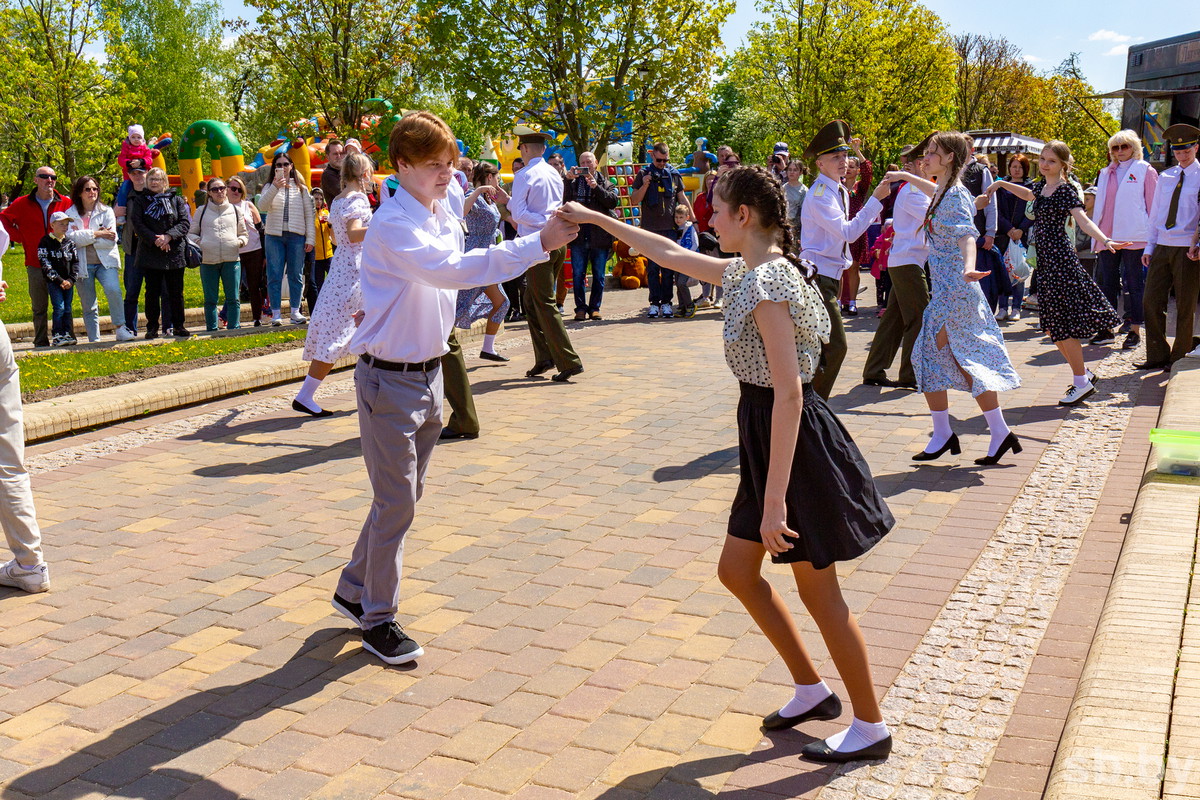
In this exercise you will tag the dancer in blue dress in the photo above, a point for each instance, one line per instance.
(960, 345)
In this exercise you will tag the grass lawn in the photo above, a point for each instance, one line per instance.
(17, 308)
(44, 371)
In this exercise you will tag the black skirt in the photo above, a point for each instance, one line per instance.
(832, 501)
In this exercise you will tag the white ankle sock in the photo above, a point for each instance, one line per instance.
(306, 395)
(998, 427)
(489, 343)
(1080, 380)
(807, 696)
(941, 431)
(859, 735)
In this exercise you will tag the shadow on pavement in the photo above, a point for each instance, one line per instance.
(126, 759)
(303, 457)
(722, 462)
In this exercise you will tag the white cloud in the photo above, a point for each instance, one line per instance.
(1118, 50)
(1033, 59)
(1103, 35)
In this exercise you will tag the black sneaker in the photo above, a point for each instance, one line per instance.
(1103, 337)
(351, 611)
(388, 641)
(1131, 341)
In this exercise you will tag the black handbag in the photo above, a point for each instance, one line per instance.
(192, 255)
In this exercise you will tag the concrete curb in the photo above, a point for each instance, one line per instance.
(1130, 701)
(52, 418)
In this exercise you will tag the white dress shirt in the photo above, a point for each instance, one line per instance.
(991, 210)
(825, 233)
(413, 265)
(910, 245)
(537, 192)
(1187, 216)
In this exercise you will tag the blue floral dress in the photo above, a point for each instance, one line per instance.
(975, 342)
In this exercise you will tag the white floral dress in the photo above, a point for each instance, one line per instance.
(332, 322)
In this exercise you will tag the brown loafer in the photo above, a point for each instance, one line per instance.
(596, 316)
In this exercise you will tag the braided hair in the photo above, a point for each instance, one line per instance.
(959, 147)
(757, 188)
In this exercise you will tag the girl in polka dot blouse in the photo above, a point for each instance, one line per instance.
(806, 495)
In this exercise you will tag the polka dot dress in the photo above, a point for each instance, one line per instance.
(776, 281)
(1070, 303)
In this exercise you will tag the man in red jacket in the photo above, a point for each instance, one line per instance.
(27, 220)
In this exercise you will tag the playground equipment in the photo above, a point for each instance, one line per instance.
(222, 146)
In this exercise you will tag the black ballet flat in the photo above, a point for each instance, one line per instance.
(566, 374)
(303, 409)
(829, 708)
(819, 751)
(951, 445)
(1010, 443)
(486, 356)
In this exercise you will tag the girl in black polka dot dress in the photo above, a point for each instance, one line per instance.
(806, 495)
(1070, 304)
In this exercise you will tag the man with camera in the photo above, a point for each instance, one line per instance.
(588, 186)
(658, 188)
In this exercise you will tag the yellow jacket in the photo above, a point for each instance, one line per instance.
(323, 244)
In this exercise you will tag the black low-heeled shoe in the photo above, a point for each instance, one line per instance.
(829, 708)
(566, 374)
(1011, 442)
(951, 445)
(539, 368)
(303, 409)
(819, 751)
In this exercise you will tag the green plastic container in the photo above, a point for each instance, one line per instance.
(1178, 451)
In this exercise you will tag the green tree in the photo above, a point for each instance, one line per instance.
(1083, 124)
(885, 66)
(171, 58)
(585, 69)
(329, 57)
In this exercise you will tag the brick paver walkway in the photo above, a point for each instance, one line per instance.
(561, 578)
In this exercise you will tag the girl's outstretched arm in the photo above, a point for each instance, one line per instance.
(658, 249)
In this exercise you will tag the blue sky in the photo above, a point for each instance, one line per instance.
(1099, 30)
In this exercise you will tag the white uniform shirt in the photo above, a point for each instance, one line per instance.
(537, 192)
(909, 246)
(412, 266)
(1187, 216)
(825, 233)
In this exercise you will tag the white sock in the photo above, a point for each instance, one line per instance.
(307, 393)
(807, 696)
(941, 431)
(998, 427)
(859, 735)
(276, 313)
(1080, 381)
(489, 343)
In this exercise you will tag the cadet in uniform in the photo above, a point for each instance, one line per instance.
(825, 236)
(1174, 217)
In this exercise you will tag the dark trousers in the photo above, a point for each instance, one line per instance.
(1123, 267)
(1170, 268)
(581, 259)
(254, 275)
(834, 352)
(662, 283)
(514, 290)
(900, 324)
(39, 298)
(997, 285)
(316, 279)
(457, 386)
(155, 286)
(546, 329)
(164, 287)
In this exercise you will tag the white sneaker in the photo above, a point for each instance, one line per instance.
(1014, 315)
(666, 310)
(30, 579)
(1077, 394)
(1002, 315)
(276, 322)
(652, 311)
(124, 334)
(298, 319)
(704, 302)
(717, 305)
(1194, 354)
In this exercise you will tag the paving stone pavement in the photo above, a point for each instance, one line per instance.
(562, 579)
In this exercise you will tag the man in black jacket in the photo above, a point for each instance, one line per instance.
(588, 186)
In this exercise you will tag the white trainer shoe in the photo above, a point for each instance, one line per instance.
(652, 311)
(124, 334)
(29, 579)
(1077, 394)
(667, 310)
(1002, 315)
(298, 319)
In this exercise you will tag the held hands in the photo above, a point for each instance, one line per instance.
(774, 530)
(558, 231)
(982, 201)
(575, 213)
(65, 284)
(502, 197)
(883, 189)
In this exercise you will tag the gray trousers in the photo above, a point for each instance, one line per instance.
(399, 420)
(17, 514)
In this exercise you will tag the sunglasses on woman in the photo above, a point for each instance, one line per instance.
(212, 189)
(235, 189)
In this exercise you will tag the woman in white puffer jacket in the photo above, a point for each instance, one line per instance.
(219, 229)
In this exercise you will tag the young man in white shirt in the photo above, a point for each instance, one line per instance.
(1174, 217)
(910, 293)
(412, 264)
(826, 233)
(537, 192)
